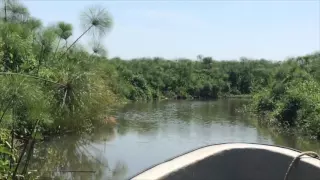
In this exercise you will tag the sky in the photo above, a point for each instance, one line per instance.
(224, 30)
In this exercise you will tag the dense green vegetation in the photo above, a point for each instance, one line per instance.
(205, 78)
(48, 85)
(52, 85)
(292, 99)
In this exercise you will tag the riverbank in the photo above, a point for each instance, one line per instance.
(292, 100)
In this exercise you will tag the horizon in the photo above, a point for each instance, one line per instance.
(274, 30)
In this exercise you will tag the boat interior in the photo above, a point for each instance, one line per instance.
(236, 161)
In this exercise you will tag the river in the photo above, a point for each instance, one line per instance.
(149, 133)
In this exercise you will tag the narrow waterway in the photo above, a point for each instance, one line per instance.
(149, 133)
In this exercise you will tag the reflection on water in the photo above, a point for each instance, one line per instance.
(75, 157)
(149, 133)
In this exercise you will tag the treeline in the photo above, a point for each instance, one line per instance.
(204, 78)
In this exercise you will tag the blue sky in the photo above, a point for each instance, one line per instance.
(221, 29)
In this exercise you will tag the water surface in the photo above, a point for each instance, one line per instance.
(149, 133)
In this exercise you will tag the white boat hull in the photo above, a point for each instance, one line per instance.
(235, 161)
